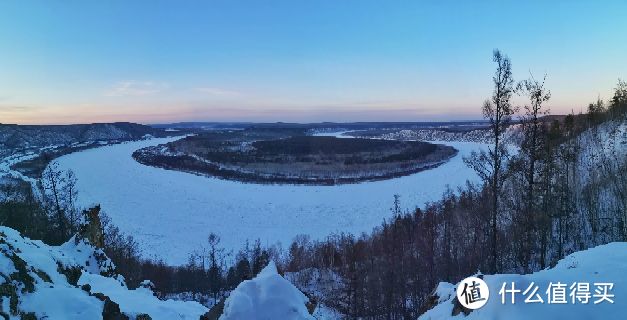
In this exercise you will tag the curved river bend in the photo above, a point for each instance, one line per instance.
(170, 213)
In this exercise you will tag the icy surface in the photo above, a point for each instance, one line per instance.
(171, 213)
(603, 264)
(267, 296)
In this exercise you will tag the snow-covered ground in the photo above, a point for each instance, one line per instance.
(606, 264)
(6, 171)
(18, 156)
(34, 279)
(171, 213)
(7, 162)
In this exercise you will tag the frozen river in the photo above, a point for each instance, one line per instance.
(171, 213)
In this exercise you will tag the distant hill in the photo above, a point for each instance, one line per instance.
(320, 125)
(21, 136)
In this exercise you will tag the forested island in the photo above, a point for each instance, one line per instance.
(290, 156)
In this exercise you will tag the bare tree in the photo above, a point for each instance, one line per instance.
(489, 165)
(396, 207)
(52, 181)
(216, 265)
(618, 105)
(530, 154)
(59, 192)
(70, 194)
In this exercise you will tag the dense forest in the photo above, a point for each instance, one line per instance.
(563, 189)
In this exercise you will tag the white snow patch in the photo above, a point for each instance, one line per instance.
(267, 296)
(603, 264)
(53, 297)
(142, 300)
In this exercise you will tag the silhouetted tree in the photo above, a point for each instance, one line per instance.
(530, 154)
(489, 165)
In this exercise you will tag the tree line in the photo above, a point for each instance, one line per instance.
(562, 189)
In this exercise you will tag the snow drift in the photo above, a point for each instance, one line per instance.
(603, 264)
(267, 296)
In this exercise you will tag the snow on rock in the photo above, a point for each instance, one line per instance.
(603, 264)
(267, 296)
(444, 291)
(141, 300)
(71, 281)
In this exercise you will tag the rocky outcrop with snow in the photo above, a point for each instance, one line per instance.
(73, 281)
(605, 264)
(267, 296)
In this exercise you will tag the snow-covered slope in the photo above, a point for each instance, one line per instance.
(267, 296)
(512, 135)
(72, 281)
(603, 264)
(22, 136)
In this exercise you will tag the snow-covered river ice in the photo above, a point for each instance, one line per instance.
(170, 213)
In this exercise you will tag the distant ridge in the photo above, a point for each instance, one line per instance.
(317, 125)
(20, 136)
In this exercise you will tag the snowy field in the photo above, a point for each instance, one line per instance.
(171, 213)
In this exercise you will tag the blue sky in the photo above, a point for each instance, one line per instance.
(304, 61)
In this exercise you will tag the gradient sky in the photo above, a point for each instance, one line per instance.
(296, 60)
